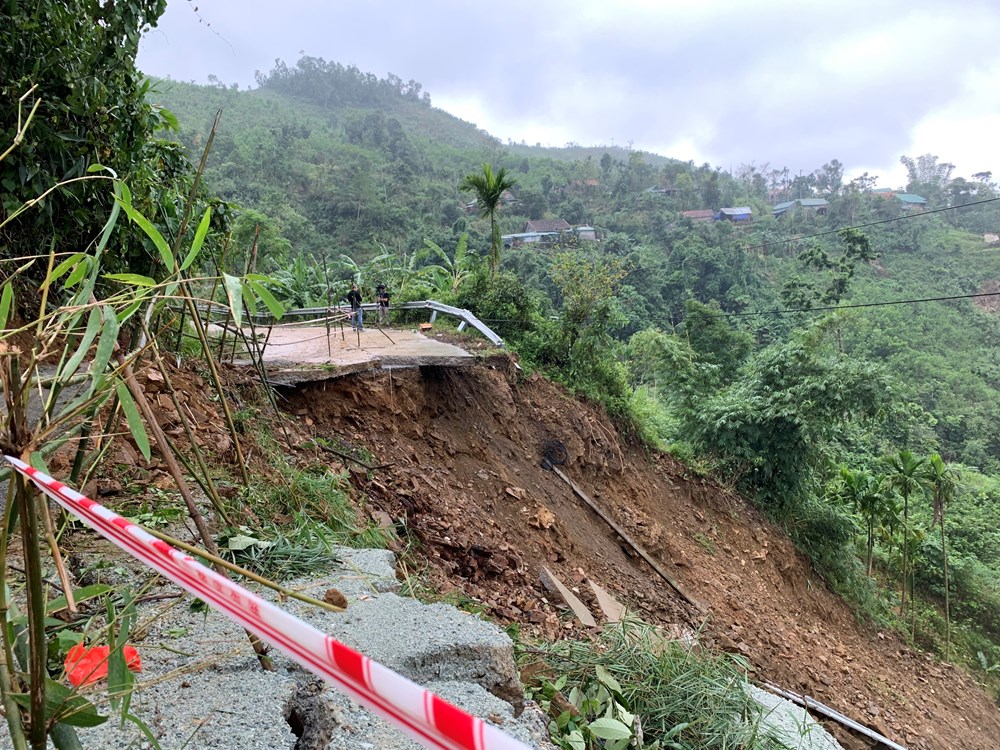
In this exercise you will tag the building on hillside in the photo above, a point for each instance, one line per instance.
(910, 201)
(991, 239)
(528, 238)
(662, 190)
(736, 214)
(816, 205)
(702, 214)
(547, 225)
(550, 232)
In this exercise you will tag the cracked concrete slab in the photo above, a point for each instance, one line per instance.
(201, 685)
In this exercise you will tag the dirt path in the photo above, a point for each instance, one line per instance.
(464, 449)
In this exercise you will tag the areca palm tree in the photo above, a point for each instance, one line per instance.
(943, 480)
(903, 474)
(864, 491)
(489, 187)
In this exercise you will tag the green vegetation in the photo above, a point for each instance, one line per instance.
(869, 432)
(664, 320)
(636, 688)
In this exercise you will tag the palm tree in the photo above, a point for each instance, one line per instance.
(943, 480)
(903, 474)
(863, 490)
(489, 188)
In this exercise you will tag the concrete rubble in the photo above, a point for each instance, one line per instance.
(206, 690)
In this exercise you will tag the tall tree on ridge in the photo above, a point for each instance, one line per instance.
(489, 188)
(943, 480)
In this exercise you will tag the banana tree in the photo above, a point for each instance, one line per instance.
(448, 273)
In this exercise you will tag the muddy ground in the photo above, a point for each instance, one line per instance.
(462, 450)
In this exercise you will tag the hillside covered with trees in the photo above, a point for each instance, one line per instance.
(847, 378)
(827, 349)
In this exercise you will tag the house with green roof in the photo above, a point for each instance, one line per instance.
(816, 205)
(910, 201)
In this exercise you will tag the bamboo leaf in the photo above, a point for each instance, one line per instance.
(274, 307)
(144, 728)
(234, 292)
(154, 234)
(109, 226)
(78, 273)
(105, 348)
(93, 326)
(248, 298)
(64, 737)
(129, 310)
(123, 194)
(199, 239)
(64, 705)
(134, 420)
(6, 301)
(62, 268)
(80, 595)
(134, 279)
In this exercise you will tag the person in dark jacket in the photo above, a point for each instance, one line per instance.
(357, 311)
(382, 297)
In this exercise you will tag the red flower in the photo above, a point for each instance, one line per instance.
(85, 666)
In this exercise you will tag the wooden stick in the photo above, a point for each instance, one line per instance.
(128, 375)
(50, 537)
(631, 542)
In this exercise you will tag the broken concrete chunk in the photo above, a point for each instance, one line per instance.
(552, 583)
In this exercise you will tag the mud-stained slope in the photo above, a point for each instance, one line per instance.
(463, 450)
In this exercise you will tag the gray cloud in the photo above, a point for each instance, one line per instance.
(790, 83)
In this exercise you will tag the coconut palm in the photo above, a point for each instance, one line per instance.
(943, 480)
(489, 188)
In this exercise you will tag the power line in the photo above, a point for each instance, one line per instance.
(829, 308)
(872, 223)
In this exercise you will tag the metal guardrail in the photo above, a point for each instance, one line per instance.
(466, 318)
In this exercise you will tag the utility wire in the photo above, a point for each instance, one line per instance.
(869, 224)
(825, 308)
(828, 308)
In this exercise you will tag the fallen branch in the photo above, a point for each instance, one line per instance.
(631, 542)
(349, 457)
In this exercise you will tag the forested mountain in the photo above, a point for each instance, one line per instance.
(715, 337)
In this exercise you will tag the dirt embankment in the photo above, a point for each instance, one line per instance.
(462, 448)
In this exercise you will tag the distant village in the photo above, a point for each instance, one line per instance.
(558, 231)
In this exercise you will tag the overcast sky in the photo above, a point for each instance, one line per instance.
(724, 81)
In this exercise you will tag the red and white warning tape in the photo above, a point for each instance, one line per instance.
(430, 720)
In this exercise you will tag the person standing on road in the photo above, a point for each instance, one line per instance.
(382, 297)
(357, 311)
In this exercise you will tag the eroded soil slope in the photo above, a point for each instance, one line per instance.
(462, 449)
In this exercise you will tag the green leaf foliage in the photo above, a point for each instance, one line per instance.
(133, 418)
